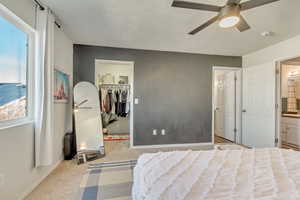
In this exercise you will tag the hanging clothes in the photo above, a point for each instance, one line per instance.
(117, 102)
(103, 99)
(123, 103)
(115, 99)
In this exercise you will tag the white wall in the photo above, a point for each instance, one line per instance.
(268, 57)
(284, 50)
(17, 144)
(63, 61)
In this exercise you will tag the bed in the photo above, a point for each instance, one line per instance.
(262, 174)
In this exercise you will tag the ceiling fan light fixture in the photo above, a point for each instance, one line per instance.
(229, 16)
(230, 21)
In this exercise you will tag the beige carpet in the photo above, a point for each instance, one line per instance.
(64, 181)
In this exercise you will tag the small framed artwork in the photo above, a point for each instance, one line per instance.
(61, 87)
(123, 80)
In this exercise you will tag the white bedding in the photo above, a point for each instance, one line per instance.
(262, 174)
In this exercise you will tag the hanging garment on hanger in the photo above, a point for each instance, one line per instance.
(113, 101)
(120, 103)
(103, 99)
(123, 103)
(117, 95)
(107, 102)
(100, 99)
(128, 101)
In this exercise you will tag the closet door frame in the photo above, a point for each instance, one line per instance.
(131, 118)
(238, 102)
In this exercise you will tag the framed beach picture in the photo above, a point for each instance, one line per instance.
(61, 87)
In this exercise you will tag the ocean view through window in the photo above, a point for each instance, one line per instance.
(13, 71)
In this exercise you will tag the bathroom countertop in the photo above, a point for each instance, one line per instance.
(291, 115)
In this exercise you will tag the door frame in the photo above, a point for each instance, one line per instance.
(278, 116)
(131, 113)
(215, 68)
(278, 105)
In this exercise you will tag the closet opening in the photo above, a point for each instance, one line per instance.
(289, 104)
(226, 111)
(114, 80)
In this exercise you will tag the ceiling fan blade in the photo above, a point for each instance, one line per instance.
(196, 6)
(233, 2)
(243, 25)
(203, 26)
(255, 3)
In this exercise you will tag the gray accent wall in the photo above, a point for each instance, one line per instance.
(175, 91)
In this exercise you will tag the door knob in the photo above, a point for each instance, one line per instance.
(244, 110)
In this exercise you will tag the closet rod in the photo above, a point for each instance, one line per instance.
(108, 86)
(43, 8)
(112, 84)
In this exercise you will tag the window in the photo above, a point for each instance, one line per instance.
(16, 61)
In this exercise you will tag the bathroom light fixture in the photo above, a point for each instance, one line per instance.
(293, 74)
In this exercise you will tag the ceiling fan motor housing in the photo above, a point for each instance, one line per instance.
(229, 11)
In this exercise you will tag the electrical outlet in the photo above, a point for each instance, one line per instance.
(163, 132)
(2, 177)
(154, 132)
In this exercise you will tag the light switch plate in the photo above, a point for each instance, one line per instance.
(136, 101)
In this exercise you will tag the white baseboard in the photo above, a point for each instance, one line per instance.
(38, 181)
(170, 145)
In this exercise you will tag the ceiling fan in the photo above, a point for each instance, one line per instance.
(228, 15)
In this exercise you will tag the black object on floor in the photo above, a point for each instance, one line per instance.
(69, 146)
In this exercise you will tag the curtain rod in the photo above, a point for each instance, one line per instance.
(39, 4)
(43, 8)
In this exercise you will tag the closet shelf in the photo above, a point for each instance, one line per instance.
(114, 86)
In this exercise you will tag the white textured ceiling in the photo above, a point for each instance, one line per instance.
(155, 25)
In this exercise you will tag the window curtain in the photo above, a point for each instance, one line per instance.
(44, 88)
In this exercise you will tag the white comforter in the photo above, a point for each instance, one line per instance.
(262, 174)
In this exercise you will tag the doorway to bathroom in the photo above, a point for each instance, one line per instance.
(226, 112)
(289, 112)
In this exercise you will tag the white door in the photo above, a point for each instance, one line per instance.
(230, 105)
(219, 106)
(227, 100)
(238, 107)
(258, 118)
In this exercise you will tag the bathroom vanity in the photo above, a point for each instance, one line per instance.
(290, 129)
